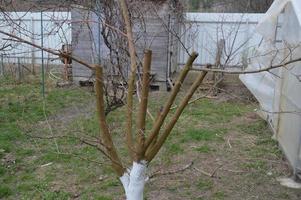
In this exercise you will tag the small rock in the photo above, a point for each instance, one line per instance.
(102, 178)
(77, 195)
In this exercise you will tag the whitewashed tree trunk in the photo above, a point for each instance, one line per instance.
(134, 181)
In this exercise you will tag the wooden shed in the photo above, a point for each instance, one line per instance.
(156, 31)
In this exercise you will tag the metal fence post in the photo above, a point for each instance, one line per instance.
(2, 66)
(42, 45)
(33, 56)
(18, 74)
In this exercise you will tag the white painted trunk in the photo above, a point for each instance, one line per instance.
(134, 181)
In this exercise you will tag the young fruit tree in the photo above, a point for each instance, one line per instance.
(142, 145)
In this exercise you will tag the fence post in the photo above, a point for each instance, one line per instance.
(218, 77)
(42, 45)
(33, 56)
(2, 66)
(19, 73)
(245, 53)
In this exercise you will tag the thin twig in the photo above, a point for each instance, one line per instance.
(159, 173)
(266, 69)
(215, 170)
(228, 141)
(202, 171)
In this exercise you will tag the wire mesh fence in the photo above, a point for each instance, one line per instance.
(20, 69)
(47, 29)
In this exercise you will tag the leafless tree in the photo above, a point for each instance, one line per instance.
(143, 145)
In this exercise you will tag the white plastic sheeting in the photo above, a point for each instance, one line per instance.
(279, 90)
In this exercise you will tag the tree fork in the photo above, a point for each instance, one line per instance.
(141, 120)
(162, 115)
(153, 152)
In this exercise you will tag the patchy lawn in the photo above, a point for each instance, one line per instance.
(224, 139)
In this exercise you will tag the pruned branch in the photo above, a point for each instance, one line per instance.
(131, 82)
(105, 132)
(143, 104)
(163, 114)
(155, 149)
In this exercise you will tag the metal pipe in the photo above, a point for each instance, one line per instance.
(2, 66)
(42, 51)
(19, 74)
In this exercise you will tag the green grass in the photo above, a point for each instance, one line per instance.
(56, 195)
(174, 149)
(199, 136)
(255, 165)
(204, 184)
(109, 184)
(211, 112)
(103, 198)
(5, 191)
(255, 128)
(204, 149)
(219, 195)
(22, 106)
(202, 134)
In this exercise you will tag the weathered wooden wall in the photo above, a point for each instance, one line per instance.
(155, 32)
(83, 43)
(151, 32)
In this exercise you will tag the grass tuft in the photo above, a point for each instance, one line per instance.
(204, 134)
(204, 149)
(204, 184)
(5, 191)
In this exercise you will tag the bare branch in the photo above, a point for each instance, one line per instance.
(57, 53)
(155, 149)
(266, 69)
(163, 114)
(131, 82)
(159, 173)
(106, 136)
(143, 104)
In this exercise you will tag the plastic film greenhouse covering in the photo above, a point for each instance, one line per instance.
(279, 90)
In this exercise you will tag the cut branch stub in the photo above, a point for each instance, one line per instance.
(105, 132)
(143, 104)
(155, 149)
(162, 115)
